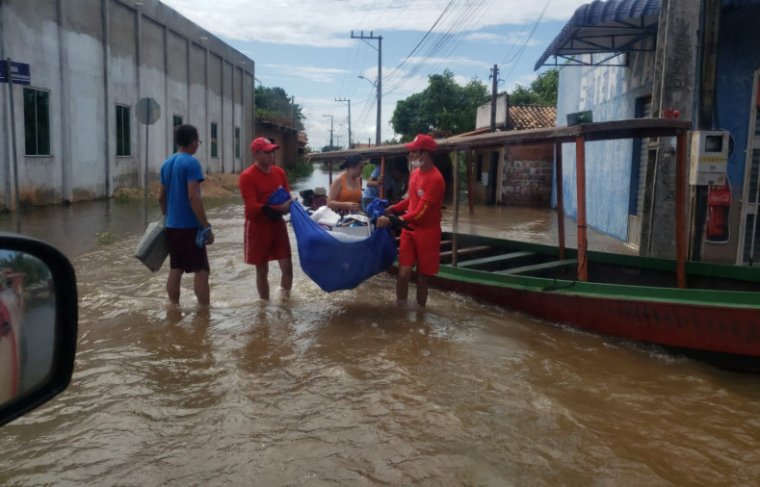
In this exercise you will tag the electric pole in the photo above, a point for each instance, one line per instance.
(379, 82)
(349, 117)
(331, 130)
(495, 81)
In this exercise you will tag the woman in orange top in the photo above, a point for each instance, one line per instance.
(346, 191)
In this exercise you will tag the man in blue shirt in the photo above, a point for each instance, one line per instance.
(181, 203)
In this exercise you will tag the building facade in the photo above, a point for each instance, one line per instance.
(694, 60)
(71, 122)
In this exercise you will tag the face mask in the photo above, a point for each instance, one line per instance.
(415, 163)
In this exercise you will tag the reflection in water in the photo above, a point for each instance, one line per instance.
(347, 389)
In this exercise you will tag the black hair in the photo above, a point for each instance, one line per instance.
(184, 135)
(352, 161)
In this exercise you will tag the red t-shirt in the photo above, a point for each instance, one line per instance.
(256, 186)
(423, 205)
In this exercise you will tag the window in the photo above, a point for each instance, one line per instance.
(176, 122)
(214, 141)
(123, 131)
(37, 122)
(237, 142)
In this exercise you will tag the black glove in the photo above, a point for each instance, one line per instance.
(397, 223)
(271, 213)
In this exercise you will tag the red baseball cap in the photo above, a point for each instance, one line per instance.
(262, 144)
(422, 142)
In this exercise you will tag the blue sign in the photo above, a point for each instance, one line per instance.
(20, 73)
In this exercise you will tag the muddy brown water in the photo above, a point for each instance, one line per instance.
(346, 389)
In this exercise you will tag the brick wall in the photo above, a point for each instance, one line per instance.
(528, 173)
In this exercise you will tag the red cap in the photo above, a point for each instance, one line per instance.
(262, 144)
(422, 142)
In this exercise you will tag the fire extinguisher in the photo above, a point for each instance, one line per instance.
(718, 209)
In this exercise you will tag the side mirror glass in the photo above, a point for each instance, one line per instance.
(38, 324)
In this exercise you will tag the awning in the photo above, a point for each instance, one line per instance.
(610, 27)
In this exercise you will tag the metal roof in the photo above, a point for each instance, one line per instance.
(634, 128)
(611, 27)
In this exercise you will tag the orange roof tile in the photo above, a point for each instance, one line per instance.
(532, 117)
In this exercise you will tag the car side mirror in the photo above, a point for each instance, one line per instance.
(38, 324)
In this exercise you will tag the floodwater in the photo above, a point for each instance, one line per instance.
(346, 389)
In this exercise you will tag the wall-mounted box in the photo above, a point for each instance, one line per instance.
(709, 157)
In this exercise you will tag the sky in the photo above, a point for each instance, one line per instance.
(306, 48)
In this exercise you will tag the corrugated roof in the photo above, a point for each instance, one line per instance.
(612, 26)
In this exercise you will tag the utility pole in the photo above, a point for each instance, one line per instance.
(337, 137)
(494, 82)
(293, 111)
(349, 117)
(331, 130)
(379, 82)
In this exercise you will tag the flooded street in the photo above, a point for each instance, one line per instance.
(346, 389)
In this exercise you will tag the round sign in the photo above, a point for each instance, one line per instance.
(148, 111)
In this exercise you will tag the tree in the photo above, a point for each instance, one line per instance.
(542, 91)
(444, 106)
(275, 105)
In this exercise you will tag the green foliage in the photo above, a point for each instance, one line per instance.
(444, 106)
(275, 105)
(105, 238)
(300, 169)
(34, 269)
(542, 90)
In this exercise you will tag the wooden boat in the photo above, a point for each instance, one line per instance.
(697, 307)
(627, 296)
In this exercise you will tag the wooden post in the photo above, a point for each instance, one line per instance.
(382, 175)
(681, 208)
(580, 177)
(468, 161)
(560, 202)
(455, 203)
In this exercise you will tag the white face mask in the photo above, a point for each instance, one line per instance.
(415, 163)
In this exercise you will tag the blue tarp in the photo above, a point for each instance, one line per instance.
(334, 264)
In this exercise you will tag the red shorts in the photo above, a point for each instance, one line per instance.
(183, 253)
(264, 242)
(423, 247)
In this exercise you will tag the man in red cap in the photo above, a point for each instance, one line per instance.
(421, 236)
(266, 236)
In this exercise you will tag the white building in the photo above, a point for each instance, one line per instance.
(71, 133)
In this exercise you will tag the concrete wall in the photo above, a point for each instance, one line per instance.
(91, 55)
(610, 93)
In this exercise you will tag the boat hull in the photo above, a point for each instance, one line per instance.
(718, 329)
(631, 297)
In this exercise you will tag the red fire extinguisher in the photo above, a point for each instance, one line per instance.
(718, 208)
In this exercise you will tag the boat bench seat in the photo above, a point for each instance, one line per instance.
(540, 267)
(447, 255)
(495, 259)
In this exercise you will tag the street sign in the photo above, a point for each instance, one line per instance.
(147, 111)
(20, 73)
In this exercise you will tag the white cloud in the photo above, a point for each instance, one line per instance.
(325, 23)
(311, 73)
(448, 61)
(513, 39)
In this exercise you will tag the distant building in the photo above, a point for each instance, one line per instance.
(73, 133)
(515, 175)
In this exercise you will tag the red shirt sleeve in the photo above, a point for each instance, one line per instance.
(401, 206)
